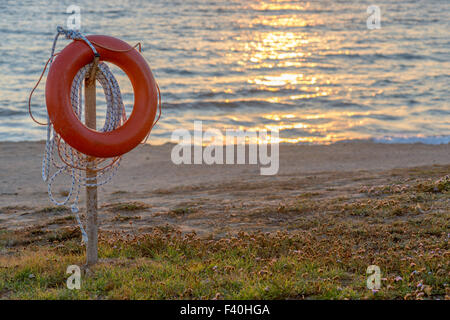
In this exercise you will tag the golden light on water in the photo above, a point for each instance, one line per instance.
(284, 66)
(309, 126)
(308, 68)
(277, 63)
(278, 5)
(278, 46)
(282, 70)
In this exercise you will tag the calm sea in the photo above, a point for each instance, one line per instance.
(312, 69)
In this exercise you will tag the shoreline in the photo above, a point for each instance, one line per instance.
(426, 140)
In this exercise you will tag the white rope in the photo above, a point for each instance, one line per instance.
(74, 163)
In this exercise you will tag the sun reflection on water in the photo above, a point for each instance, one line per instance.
(310, 69)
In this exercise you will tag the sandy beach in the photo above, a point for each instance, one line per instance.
(213, 199)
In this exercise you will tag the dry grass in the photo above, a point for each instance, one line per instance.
(323, 252)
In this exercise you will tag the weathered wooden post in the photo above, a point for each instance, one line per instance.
(91, 192)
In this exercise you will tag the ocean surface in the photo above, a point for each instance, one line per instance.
(311, 69)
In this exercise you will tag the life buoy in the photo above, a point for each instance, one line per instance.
(57, 93)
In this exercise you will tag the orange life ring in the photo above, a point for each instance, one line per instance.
(57, 93)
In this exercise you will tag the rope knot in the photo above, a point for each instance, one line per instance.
(69, 33)
(74, 35)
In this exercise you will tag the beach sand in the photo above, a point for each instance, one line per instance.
(149, 190)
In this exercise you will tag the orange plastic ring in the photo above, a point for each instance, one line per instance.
(57, 93)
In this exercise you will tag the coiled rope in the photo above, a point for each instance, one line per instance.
(62, 158)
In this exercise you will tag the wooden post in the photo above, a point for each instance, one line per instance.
(91, 192)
